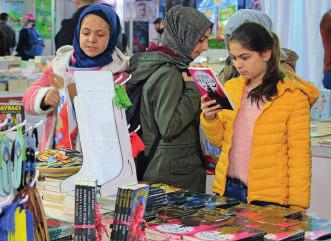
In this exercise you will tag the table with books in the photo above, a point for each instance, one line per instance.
(176, 214)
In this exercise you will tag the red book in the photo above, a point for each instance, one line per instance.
(208, 84)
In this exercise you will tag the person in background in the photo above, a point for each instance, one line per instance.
(65, 35)
(30, 43)
(3, 44)
(288, 57)
(264, 160)
(159, 27)
(94, 43)
(170, 101)
(325, 28)
(9, 33)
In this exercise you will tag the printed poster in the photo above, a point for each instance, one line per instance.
(44, 18)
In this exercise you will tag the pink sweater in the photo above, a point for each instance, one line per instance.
(240, 154)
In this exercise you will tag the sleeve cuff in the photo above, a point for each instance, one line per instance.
(38, 102)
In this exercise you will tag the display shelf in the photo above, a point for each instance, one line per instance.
(7, 96)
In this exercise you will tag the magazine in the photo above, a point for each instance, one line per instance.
(11, 114)
(208, 84)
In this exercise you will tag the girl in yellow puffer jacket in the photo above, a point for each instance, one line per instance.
(265, 141)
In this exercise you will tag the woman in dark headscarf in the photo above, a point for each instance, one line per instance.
(96, 36)
(170, 100)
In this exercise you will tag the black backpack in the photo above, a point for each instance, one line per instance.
(133, 118)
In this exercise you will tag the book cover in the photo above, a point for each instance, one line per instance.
(316, 228)
(136, 211)
(129, 212)
(167, 188)
(208, 84)
(176, 228)
(10, 115)
(190, 199)
(57, 228)
(225, 233)
(274, 232)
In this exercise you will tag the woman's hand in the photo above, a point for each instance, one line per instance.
(58, 82)
(52, 97)
(209, 107)
(186, 77)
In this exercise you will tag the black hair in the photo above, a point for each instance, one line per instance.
(255, 37)
(4, 16)
(158, 20)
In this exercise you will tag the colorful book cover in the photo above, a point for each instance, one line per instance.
(167, 188)
(225, 233)
(176, 228)
(134, 210)
(208, 84)
(57, 228)
(316, 228)
(10, 115)
(268, 213)
(190, 199)
(273, 232)
(201, 220)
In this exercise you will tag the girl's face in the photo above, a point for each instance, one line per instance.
(251, 65)
(94, 35)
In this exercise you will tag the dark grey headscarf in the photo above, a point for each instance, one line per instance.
(183, 28)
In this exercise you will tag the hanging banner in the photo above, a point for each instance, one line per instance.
(44, 18)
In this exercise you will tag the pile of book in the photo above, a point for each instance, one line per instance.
(85, 202)
(196, 216)
(129, 212)
(157, 198)
(57, 204)
(59, 230)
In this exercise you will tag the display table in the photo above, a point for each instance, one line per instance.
(321, 166)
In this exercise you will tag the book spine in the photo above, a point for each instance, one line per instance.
(122, 214)
(79, 211)
(128, 215)
(89, 210)
(112, 235)
(76, 210)
(117, 214)
(84, 214)
(91, 196)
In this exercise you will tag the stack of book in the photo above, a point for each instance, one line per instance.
(59, 230)
(57, 204)
(129, 212)
(85, 201)
(157, 198)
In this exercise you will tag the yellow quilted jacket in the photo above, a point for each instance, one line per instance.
(280, 165)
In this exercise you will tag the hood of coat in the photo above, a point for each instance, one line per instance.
(142, 65)
(294, 82)
(290, 82)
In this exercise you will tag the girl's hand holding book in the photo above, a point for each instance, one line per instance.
(209, 107)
